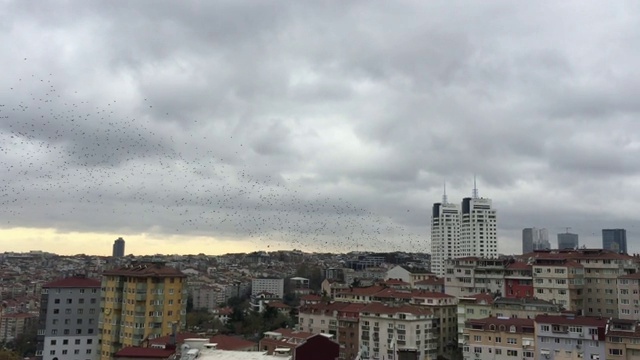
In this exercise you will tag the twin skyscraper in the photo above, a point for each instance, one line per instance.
(460, 230)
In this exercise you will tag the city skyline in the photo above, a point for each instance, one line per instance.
(235, 126)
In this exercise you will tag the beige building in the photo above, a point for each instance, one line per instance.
(391, 331)
(629, 297)
(320, 318)
(560, 281)
(473, 275)
(623, 340)
(499, 338)
(471, 308)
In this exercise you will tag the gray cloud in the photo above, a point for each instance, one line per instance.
(301, 124)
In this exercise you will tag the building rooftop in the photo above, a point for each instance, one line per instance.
(380, 308)
(591, 321)
(144, 352)
(495, 323)
(146, 270)
(73, 282)
(225, 342)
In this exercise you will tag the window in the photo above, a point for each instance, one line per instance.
(56, 301)
(477, 338)
(615, 352)
(512, 352)
(53, 342)
(77, 342)
(512, 341)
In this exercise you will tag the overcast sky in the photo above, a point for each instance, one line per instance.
(220, 126)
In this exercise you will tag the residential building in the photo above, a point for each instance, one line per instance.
(570, 337)
(628, 290)
(68, 321)
(140, 301)
(559, 280)
(473, 275)
(397, 331)
(207, 297)
(478, 227)
(518, 280)
(623, 340)
(118, 248)
(568, 241)
(299, 285)
(410, 275)
(14, 325)
(270, 285)
(499, 338)
(535, 239)
(283, 339)
(473, 307)
(615, 240)
(349, 331)
(321, 318)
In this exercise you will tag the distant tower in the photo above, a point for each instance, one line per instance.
(568, 241)
(535, 239)
(615, 240)
(118, 248)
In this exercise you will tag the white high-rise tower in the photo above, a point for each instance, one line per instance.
(445, 232)
(478, 227)
(459, 231)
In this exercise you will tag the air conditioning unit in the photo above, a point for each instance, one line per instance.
(478, 355)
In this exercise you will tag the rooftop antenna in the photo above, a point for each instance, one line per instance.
(444, 194)
(474, 193)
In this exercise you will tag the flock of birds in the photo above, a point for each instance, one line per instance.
(74, 164)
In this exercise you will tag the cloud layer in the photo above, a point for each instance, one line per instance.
(317, 125)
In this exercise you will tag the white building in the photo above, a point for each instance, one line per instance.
(445, 234)
(387, 332)
(272, 286)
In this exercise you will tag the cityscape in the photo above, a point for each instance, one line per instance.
(325, 180)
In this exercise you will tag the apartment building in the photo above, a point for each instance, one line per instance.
(570, 337)
(409, 275)
(474, 275)
(628, 290)
(499, 338)
(472, 307)
(321, 318)
(397, 331)
(14, 325)
(270, 285)
(140, 301)
(349, 331)
(207, 297)
(68, 321)
(560, 281)
(444, 309)
(623, 340)
(517, 280)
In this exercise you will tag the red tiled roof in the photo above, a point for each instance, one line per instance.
(488, 298)
(519, 265)
(144, 353)
(370, 290)
(572, 320)
(278, 305)
(395, 282)
(630, 276)
(311, 297)
(180, 337)
(431, 281)
(73, 282)
(519, 323)
(226, 342)
(431, 294)
(380, 308)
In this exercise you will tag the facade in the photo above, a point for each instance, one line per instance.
(68, 321)
(349, 331)
(535, 239)
(299, 285)
(321, 318)
(118, 248)
(570, 337)
(499, 338)
(517, 280)
(317, 347)
(141, 301)
(397, 332)
(473, 275)
(14, 325)
(568, 241)
(445, 234)
(623, 340)
(272, 286)
(478, 228)
(207, 297)
(472, 307)
(615, 240)
(560, 281)
(628, 290)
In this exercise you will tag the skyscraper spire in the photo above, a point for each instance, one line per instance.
(444, 194)
(474, 193)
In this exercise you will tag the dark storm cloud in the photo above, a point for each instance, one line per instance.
(317, 122)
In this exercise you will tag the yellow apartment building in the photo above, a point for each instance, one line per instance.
(138, 302)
